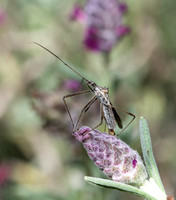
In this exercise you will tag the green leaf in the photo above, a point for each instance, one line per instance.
(117, 185)
(148, 153)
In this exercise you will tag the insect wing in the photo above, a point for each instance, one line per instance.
(117, 118)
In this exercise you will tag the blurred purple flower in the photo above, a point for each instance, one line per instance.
(103, 20)
(123, 30)
(78, 14)
(114, 157)
(2, 16)
(123, 8)
(71, 84)
(4, 173)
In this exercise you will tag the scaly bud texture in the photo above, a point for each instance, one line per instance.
(103, 20)
(115, 158)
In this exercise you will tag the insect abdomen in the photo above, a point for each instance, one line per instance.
(109, 117)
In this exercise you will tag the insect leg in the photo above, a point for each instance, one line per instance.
(86, 107)
(71, 95)
(82, 80)
(105, 128)
(102, 116)
(126, 113)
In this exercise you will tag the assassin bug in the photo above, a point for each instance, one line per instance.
(108, 111)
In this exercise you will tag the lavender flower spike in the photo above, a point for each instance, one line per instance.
(115, 158)
(104, 26)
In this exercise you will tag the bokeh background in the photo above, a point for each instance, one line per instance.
(39, 157)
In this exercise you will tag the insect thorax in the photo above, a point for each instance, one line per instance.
(102, 95)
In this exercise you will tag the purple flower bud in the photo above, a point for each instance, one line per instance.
(123, 30)
(115, 158)
(123, 7)
(71, 84)
(78, 14)
(2, 16)
(103, 20)
(91, 41)
(4, 173)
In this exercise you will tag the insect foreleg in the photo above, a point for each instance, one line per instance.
(102, 116)
(72, 95)
(104, 127)
(86, 107)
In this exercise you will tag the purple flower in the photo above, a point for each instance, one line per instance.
(71, 84)
(77, 14)
(4, 173)
(2, 16)
(103, 20)
(114, 157)
(122, 7)
(123, 30)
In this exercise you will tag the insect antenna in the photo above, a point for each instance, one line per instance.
(62, 61)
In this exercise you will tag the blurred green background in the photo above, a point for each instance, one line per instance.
(39, 158)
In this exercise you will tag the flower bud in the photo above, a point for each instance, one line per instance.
(71, 84)
(114, 157)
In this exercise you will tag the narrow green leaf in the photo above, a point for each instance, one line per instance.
(148, 153)
(120, 186)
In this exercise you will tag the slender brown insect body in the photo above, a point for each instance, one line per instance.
(110, 119)
(103, 97)
(108, 111)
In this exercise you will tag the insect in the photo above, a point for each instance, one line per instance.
(108, 111)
